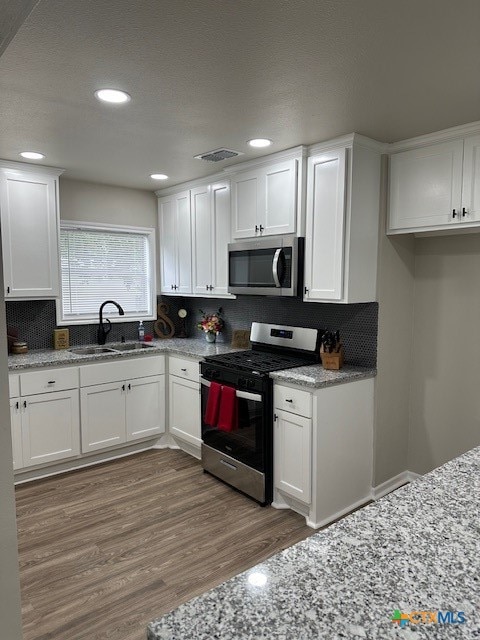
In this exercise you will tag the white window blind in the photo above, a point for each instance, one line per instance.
(105, 264)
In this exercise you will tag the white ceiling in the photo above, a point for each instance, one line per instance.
(209, 73)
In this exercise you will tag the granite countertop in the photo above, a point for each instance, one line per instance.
(316, 377)
(313, 376)
(193, 347)
(417, 549)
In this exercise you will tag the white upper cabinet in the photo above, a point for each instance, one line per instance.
(174, 222)
(29, 218)
(426, 186)
(324, 265)
(211, 234)
(343, 198)
(264, 200)
(435, 185)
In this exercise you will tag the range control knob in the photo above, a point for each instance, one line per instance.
(251, 384)
(242, 383)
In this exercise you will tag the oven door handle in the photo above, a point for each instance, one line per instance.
(255, 397)
(276, 258)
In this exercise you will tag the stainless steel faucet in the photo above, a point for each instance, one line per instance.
(103, 332)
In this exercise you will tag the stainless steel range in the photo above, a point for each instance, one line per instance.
(237, 405)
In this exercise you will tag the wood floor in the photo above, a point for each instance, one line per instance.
(105, 550)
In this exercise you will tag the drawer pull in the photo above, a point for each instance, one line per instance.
(24, 404)
(17, 405)
(288, 400)
(227, 464)
(51, 382)
(183, 370)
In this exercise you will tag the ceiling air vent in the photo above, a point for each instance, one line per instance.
(218, 154)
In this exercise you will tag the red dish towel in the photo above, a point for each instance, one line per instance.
(213, 404)
(227, 415)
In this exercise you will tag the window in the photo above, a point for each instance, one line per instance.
(103, 262)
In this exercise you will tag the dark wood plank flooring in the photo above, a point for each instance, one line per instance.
(105, 550)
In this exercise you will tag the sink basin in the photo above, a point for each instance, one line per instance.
(90, 351)
(132, 346)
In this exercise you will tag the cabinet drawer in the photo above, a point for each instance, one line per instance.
(293, 400)
(101, 373)
(50, 380)
(13, 385)
(184, 368)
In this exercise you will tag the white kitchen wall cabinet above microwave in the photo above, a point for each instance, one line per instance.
(434, 183)
(342, 219)
(30, 219)
(175, 229)
(267, 195)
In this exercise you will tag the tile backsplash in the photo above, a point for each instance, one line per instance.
(358, 323)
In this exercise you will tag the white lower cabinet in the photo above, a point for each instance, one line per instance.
(323, 459)
(16, 424)
(184, 420)
(50, 427)
(119, 412)
(293, 455)
(103, 416)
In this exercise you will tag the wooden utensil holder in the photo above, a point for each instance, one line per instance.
(332, 361)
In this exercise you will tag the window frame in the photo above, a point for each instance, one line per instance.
(148, 232)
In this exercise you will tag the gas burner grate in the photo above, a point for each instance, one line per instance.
(260, 361)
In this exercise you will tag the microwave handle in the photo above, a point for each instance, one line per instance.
(276, 258)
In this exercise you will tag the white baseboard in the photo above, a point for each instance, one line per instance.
(393, 483)
(339, 514)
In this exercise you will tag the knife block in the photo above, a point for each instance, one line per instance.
(333, 361)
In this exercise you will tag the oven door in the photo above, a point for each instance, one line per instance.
(246, 443)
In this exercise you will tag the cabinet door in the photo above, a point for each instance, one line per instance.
(325, 237)
(103, 416)
(145, 407)
(426, 186)
(184, 243)
(16, 424)
(50, 427)
(280, 186)
(168, 245)
(246, 198)
(203, 234)
(471, 181)
(184, 406)
(293, 455)
(220, 198)
(29, 235)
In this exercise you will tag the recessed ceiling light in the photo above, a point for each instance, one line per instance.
(260, 142)
(159, 176)
(114, 96)
(32, 155)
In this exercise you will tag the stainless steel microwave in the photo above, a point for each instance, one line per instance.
(265, 267)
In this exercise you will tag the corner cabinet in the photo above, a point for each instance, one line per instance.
(210, 238)
(342, 221)
(175, 229)
(435, 187)
(30, 220)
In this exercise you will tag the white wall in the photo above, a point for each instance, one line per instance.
(445, 385)
(91, 202)
(395, 284)
(10, 619)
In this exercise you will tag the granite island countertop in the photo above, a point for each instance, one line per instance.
(417, 549)
(312, 376)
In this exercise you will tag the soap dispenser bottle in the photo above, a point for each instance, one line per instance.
(141, 332)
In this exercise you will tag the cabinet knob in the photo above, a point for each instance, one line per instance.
(256, 228)
(464, 212)
(275, 417)
(123, 387)
(454, 213)
(129, 387)
(261, 228)
(17, 405)
(24, 404)
(8, 289)
(306, 290)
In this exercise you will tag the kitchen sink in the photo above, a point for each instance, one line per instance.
(90, 351)
(132, 346)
